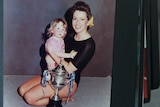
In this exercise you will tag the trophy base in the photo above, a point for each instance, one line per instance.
(56, 98)
(53, 103)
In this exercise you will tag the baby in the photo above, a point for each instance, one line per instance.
(57, 32)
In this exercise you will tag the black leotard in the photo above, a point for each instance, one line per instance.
(85, 49)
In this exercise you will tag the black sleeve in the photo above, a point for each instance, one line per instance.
(84, 55)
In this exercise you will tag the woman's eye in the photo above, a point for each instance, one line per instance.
(82, 19)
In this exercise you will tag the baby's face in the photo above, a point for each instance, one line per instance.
(59, 30)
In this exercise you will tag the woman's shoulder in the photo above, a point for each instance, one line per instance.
(90, 41)
(89, 44)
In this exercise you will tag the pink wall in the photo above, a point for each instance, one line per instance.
(25, 20)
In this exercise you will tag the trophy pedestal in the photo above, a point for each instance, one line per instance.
(56, 101)
(53, 103)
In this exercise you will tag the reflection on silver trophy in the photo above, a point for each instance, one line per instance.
(57, 78)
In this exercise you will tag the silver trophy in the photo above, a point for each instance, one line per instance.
(56, 78)
(60, 75)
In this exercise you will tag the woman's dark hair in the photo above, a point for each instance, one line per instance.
(45, 34)
(82, 6)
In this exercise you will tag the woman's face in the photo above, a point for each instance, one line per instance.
(80, 21)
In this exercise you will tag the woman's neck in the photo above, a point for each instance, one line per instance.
(82, 36)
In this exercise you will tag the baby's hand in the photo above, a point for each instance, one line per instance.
(73, 53)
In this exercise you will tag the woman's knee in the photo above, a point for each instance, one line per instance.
(21, 91)
(29, 98)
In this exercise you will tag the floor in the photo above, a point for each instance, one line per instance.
(155, 99)
(92, 92)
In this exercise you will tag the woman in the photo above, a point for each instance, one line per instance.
(80, 41)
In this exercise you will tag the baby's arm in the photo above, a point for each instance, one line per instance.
(66, 55)
(61, 54)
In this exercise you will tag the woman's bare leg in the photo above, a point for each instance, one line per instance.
(29, 84)
(35, 94)
(39, 95)
(63, 93)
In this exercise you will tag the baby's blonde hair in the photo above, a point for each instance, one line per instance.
(54, 23)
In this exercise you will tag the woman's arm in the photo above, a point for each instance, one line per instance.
(68, 65)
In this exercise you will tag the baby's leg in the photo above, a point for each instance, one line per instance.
(50, 62)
